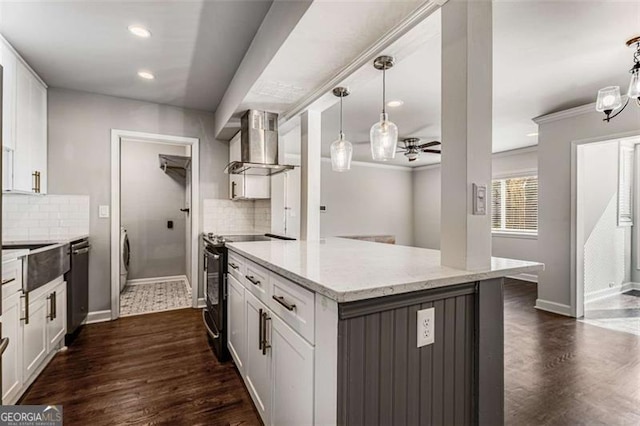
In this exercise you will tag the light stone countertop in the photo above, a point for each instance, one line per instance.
(13, 254)
(61, 240)
(348, 270)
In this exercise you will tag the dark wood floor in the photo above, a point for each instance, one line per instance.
(158, 369)
(559, 371)
(148, 369)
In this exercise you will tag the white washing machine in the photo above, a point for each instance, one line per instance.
(126, 257)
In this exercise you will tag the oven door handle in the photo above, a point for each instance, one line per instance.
(204, 320)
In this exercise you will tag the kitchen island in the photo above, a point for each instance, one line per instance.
(326, 332)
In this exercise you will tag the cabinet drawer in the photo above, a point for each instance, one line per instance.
(294, 304)
(12, 276)
(257, 281)
(236, 266)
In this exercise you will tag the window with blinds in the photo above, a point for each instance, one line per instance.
(625, 186)
(514, 205)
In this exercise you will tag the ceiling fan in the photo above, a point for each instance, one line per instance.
(412, 148)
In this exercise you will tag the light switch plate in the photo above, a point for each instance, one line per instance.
(479, 199)
(103, 212)
(426, 327)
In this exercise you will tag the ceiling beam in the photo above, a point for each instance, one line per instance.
(282, 18)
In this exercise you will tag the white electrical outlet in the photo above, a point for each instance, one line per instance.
(426, 324)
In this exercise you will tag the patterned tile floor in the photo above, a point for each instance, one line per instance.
(620, 312)
(158, 296)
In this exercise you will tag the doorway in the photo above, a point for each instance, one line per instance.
(605, 249)
(154, 222)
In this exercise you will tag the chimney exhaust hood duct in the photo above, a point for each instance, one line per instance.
(259, 145)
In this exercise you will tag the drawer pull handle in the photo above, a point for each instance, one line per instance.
(252, 279)
(233, 265)
(280, 300)
(7, 281)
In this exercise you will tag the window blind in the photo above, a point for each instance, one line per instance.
(514, 204)
(625, 186)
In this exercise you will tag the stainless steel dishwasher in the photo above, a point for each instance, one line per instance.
(77, 279)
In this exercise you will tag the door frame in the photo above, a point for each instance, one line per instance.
(577, 234)
(117, 138)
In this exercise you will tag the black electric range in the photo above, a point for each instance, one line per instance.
(215, 286)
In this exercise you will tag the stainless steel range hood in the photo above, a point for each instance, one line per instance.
(259, 145)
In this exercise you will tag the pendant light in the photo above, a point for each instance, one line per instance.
(383, 134)
(341, 149)
(609, 99)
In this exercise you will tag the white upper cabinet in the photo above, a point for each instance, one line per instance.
(9, 63)
(24, 130)
(246, 187)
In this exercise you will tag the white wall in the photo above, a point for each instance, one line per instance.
(367, 200)
(426, 205)
(556, 133)
(607, 247)
(149, 198)
(79, 133)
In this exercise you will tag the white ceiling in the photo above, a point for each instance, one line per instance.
(548, 56)
(328, 37)
(194, 51)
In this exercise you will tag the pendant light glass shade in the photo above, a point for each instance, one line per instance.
(384, 139)
(383, 135)
(341, 150)
(341, 153)
(608, 99)
(634, 85)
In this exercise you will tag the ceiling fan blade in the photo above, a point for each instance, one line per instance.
(413, 159)
(428, 144)
(432, 151)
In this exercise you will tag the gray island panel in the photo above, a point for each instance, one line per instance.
(384, 378)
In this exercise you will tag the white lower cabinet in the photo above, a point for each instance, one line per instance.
(258, 361)
(35, 330)
(34, 335)
(276, 361)
(292, 376)
(57, 318)
(236, 323)
(12, 357)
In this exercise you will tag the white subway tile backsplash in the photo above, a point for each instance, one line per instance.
(236, 217)
(44, 217)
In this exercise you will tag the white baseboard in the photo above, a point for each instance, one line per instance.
(156, 279)
(630, 286)
(201, 302)
(556, 308)
(532, 278)
(98, 316)
(608, 292)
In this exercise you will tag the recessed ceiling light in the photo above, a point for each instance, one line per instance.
(394, 104)
(140, 31)
(532, 134)
(146, 75)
